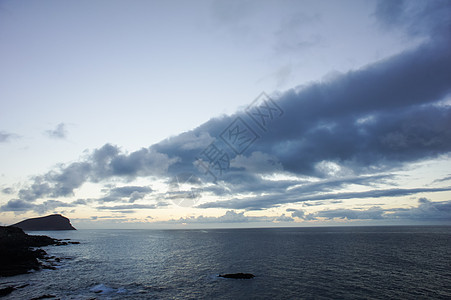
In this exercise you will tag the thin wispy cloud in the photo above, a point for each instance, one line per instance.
(60, 132)
(273, 200)
(6, 136)
(426, 211)
(127, 207)
(7, 191)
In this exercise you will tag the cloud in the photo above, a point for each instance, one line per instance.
(127, 191)
(318, 203)
(390, 13)
(7, 191)
(60, 132)
(66, 179)
(321, 121)
(232, 12)
(274, 200)
(39, 188)
(425, 211)
(284, 218)
(107, 217)
(416, 18)
(233, 217)
(19, 205)
(50, 205)
(344, 130)
(299, 213)
(104, 163)
(133, 193)
(260, 191)
(373, 213)
(81, 202)
(376, 118)
(4, 136)
(295, 33)
(257, 162)
(126, 207)
(447, 178)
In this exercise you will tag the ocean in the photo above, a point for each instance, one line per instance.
(289, 263)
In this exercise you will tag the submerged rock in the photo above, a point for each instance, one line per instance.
(238, 275)
(46, 296)
(6, 290)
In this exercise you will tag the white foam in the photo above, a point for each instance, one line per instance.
(102, 289)
(214, 277)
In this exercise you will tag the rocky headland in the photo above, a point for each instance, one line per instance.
(51, 222)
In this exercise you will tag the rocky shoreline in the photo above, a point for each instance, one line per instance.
(18, 254)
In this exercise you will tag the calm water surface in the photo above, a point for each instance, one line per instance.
(289, 263)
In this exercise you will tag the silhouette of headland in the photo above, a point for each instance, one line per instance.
(51, 222)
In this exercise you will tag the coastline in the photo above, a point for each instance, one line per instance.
(21, 253)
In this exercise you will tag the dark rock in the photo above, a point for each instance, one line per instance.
(238, 276)
(52, 222)
(17, 255)
(46, 296)
(6, 291)
(61, 244)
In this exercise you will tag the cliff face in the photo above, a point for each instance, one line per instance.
(52, 222)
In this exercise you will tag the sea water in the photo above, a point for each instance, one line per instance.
(289, 263)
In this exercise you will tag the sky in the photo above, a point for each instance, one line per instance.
(202, 114)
